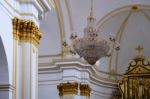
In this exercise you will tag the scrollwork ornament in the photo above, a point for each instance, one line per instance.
(133, 63)
(145, 63)
(138, 74)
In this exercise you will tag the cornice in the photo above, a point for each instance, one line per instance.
(94, 77)
(41, 5)
(103, 83)
(75, 62)
(49, 56)
(80, 62)
(9, 9)
(6, 87)
(57, 82)
(46, 4)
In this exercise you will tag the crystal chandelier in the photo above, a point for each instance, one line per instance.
(92, 46)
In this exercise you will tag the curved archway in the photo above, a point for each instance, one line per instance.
(125, 22)
(4, 76)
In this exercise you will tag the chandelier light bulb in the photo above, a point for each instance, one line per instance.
(112, 37)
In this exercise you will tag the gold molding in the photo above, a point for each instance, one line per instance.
(67, 88)
(60, 21)
(73, 87)
(69, 15)
(26, 30)
(23, 69)
(31, 66)
(85, 90)
(15, 67)
(36, 53)
(119, 38)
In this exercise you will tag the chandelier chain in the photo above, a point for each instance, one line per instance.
(91, 13)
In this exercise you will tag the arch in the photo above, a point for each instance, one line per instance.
(4, 76)
(117, 11)
(101, 22)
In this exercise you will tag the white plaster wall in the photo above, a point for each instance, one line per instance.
(4, 95)
(96, 96)
(19, 76)
(7, 37)
(48, 92)
(50, 76)
(47, 87)
(3, 65)
(50, 43)
(34, 76)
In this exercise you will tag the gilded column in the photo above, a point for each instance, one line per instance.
(26, 41)
(126, 87)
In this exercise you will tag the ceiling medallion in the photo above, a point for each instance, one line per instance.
(92, 46)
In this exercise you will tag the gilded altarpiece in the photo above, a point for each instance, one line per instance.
(136, 80)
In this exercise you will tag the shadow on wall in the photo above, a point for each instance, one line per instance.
(4, 77)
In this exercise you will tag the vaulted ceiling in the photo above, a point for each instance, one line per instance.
(128, 20)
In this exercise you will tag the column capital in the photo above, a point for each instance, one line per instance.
(68, 88)
(26, 30)
(85, 90)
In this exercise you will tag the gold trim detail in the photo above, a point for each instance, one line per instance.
(135, 8)
(136, 81)
(60, 21)
(67, 88)
(85, 90)
(26, 30)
